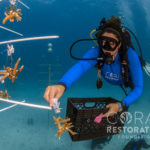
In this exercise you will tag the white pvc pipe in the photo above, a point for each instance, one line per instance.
(6, 108)
(23, 4)
(11, 30)
(25, 104)
(29, 39)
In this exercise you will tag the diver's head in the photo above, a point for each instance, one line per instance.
(110, 45)
(109, 37)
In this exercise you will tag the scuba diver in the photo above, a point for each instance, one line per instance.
(115, 59)
(137, 143)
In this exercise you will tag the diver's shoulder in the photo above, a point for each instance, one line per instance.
(94, 49)
(132, 52)
(92, 53)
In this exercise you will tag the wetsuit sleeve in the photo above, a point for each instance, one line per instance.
(79, 69)
(136, 77)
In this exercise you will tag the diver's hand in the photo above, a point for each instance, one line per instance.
(113, 109)
(55, 91)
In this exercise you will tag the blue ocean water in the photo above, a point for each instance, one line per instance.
(34, 129)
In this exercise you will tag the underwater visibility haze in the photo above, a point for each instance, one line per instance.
(46, 61)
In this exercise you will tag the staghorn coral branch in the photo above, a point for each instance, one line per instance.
(59, 134)
(68, 124)
(4, 94)
(57, 120)
(16, 65)
(4, 68)
(13, 79)
(11, 73)
(18, 71)
(6, 18)
(18, 18)
(12, 14)
(64, 127)
(65, 121)
(72, 132)
(3, 78)
(3, 72)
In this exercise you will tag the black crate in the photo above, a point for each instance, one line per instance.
(82, 117)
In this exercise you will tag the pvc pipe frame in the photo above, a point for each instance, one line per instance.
(25, 104)
(11, 30)
(29, 39)
(6, 108)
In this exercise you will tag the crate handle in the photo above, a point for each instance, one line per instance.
(89, 104)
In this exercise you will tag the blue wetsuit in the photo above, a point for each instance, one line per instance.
(134, 148)
(112, 73)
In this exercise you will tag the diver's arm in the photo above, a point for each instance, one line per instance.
(79, 69)
(136, 77)
(56, 91)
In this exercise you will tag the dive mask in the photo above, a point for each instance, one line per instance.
(108, 43)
